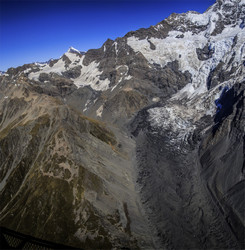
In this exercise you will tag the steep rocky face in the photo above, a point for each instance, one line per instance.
(138, 144)
(192, 175)
(64, 176)
(222, 159)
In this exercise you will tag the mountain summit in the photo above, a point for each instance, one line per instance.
(73, 50)
(137, 144)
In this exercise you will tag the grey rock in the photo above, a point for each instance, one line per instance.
(219, 75)
(52, 62)
(44, 77)
(205, 53)
(73, 72)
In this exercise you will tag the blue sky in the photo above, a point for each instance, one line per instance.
(32, 31)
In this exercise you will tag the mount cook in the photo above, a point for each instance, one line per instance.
(137, 144)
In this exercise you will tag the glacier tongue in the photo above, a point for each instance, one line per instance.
(175, 121)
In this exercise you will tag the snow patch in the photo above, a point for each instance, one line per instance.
(73, 50)
(242, 2)
(57, 68)
(170, 49)
(27, 70)
(86, 105)
(197, 18)
(99, 111)
(90, 75)
(74, 57)
(116, 48)
(114, 87)
(155, 99)
(128, 77)
(40, 64)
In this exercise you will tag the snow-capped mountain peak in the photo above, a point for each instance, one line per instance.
(73, 50)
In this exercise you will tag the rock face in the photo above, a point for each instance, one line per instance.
(138, 144)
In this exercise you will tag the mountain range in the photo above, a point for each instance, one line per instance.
(139, 144)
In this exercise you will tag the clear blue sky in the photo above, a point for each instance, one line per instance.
(33, 30)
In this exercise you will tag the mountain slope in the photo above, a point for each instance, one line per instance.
(138, 144)
(62, 174)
